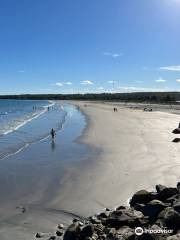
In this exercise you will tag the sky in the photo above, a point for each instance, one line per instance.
(79, 46)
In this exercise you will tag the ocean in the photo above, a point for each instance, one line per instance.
(24, 122)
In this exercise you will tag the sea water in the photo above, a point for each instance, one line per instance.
(23, 122)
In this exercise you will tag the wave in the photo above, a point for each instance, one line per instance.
(13, 150)
(32, 117)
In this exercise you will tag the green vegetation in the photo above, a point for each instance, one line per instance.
(152, 97)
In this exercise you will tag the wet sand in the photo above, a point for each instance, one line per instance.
(126, 151)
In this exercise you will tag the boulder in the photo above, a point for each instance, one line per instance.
(167, 193)
(176, 206)
(172, 220)
(87, 231)
(141, 196)
(59, 232)
(153, 208)
(176, 140)
(178, 186)
(72, 232)
(176, 131)
(125, 217)
(160, 187)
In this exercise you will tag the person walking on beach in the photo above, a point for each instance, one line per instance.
(53, 133)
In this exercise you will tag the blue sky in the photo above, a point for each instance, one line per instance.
(70, 46)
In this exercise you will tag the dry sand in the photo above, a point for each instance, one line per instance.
(136, 152)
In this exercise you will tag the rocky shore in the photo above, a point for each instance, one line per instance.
(150, 216)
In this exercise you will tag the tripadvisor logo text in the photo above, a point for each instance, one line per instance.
(139, 231)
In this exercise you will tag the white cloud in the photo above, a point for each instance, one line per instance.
(87, 82)
(113, 55)
(160, 80)
(171, 68)
(21, 71)
(68, 83)
(178, 80)
(59, 84)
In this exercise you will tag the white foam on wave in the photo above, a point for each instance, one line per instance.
(33, 116)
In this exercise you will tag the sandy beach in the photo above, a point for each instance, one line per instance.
(136, 152)
(128, 150)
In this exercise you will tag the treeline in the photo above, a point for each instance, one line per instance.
(153, 97)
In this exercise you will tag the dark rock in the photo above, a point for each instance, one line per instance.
(176, 140)
(103, 215)
(172, 199)
(120, 208)
(111, 233)
(76, 220)
(160, 187)
(176, 206)
(59, 232)
(72, 232)
(141, 196)
(125, 217)
(178, 186)
(146, 236)
(153, 208)
(38, 235)
(172, 220)
(52, 238)
(108, 209)
(87, 231)
(176, 131)
(167, 193)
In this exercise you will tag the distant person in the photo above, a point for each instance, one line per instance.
(48, 108)
(53, 133)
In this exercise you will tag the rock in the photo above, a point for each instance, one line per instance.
(125, 233)
(176, 206)
(94, 220)
(172, 220)
(167, 193)
(60, 226)
(120, 208)
(108, 209)
(176, 131)
(178, 186)
(38, 235)
(103, 215)
(75, 220)
(125, 217)
(72, 232)
(59, 232)
(141, 196)
(174, 237)
(87, 231)
(111, 233)
(176, 140)
(145, 236)
(153, 208)
(52, 238)
(160, 187)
